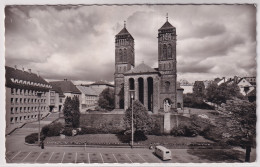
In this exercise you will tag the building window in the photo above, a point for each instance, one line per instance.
(24, 117)
(12, 120)
(28, 109)
(12, 91)
(25, 92)
(12, 100)
(16, 100)
(24, 100)
(21, 109)
(17, 91)
(21, 100)
(60, 100)
(30, 92)
(16, 110)
(12, 110)
(21, 91)
(169, 54)
(167, 86)
(24, 109)
(16, 119)
(164, 51)
(125, 56)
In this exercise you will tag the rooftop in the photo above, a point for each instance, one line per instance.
(22, 79)
(66, 86)
(87, 90)
(142, 68)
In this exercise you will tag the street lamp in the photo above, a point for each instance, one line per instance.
(39, 94)
(132, 94)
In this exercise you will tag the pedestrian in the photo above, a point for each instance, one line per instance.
(151, 146)
(42, 145)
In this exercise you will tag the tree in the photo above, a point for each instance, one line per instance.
(75, 112)
(141, 119)
(71, 111)
(107, 99)
(242, 124)
(220, 94)
(199, 89)
(67, 108)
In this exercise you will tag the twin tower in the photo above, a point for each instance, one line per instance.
(154, 87)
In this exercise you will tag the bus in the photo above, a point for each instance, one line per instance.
(163, 153)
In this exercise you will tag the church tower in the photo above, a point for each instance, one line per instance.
(124, 61)
(167, 65)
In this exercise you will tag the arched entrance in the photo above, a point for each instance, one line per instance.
(150, 93)
(167, 105)
(141, 89)
(131, 88)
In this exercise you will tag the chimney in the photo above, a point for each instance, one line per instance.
(38, 74)
(30, 70)
(23, 69)
(15, 67)
(224, 79)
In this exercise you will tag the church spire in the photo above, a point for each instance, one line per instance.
(124, 24)
(166, 16)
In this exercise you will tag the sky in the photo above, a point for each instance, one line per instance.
(78, 42)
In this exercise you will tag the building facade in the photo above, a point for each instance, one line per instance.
(89, 97)
(22, 102)
(65, 89)
(156, 88)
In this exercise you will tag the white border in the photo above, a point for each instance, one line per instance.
(88, 2)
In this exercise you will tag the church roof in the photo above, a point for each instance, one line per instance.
(166, 25)
(140, 69)
(66, 86)
(123, 32)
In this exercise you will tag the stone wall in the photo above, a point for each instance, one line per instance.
(116, 120)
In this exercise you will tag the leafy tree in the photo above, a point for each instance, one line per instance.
(141, 119)
(75, 112)
(71, 111)
(67, 111)
(199, 89)
(107, 99)
(242, 124)
(220, 94)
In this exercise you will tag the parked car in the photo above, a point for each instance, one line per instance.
(163, 153)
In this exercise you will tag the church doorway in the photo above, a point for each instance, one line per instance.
(167, 103)
(150, 93)
(141, 89)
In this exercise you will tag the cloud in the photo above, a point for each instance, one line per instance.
(77, 42)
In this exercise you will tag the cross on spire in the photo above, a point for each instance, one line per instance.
(166, 16)
(124, 24)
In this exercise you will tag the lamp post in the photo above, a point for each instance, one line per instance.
(132, 93)
(39, 94)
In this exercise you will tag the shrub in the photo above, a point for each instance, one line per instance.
(156, 128)
(67, 131)
(139, 136)
(185, 130)
(31, 138)
(52, 129)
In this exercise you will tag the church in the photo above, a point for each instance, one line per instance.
(156, 88)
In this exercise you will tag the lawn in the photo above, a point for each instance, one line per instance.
(110, 139)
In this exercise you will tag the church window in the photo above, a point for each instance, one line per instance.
(124, 69)
(167, 86)
(120, 55)
(164, 67)
(169, 65)
(164, 51)
(169, 54)
(125, 55)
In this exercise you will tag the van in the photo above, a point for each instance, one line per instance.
(163, 153)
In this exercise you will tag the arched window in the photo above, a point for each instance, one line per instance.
(131, 84)
(164, 51)
(167, 86)
(170, 66)
(125, 55)
(169, 54)
(120, 55)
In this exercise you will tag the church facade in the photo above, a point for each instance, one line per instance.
(155, 88)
